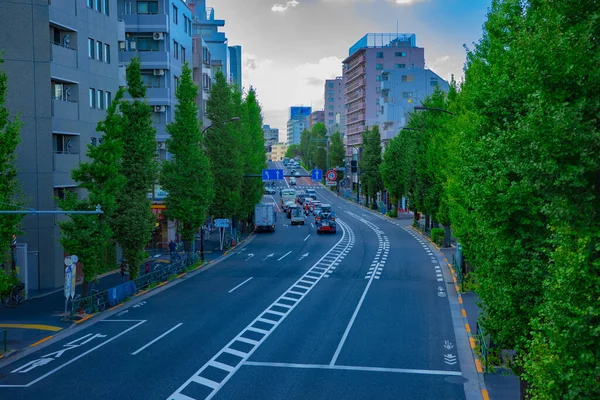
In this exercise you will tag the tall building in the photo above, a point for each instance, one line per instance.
(299, 121)
(62, 66)
(160, 34)
(317, 117)
(367, 59)
(401, 91)
(271, 136)
(335, 117)
(227, 59)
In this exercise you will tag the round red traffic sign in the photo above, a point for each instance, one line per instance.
(331, 175)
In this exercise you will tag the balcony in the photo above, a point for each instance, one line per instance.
(355, 107)
(355, 85)
(66, 109)
(64, 56)
(356, 62)
(63, 165)
(121, 30)
(386, 85)
(146, 22)
(354, 96)
(349, 77)
(149, 59)
(158, 96)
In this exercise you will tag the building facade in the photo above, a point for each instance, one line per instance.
(271, 136)
(335, 117)
(401, 91)
(278, 151)
(62, 66)
(299, 120)
(317, 117)
(235, 65)
(368, 58)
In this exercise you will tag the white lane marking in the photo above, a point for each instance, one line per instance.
(276, 205)
(307, 237)
(239, 285)
(264, 318)
(286, 254)
(353, 368)
(139, 322)
(157, 339)
(312, 225)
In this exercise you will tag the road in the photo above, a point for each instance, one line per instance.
(366, 313)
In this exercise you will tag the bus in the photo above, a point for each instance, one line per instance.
(288, 195)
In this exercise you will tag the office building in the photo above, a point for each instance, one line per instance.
(202, 75)
(335, 117)
(271, 136)
(227, 59)
(401, 91)
(299, 121)
(317, 117)
(278, 151)
(62, 67)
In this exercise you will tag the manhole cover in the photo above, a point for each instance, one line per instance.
(459, 380)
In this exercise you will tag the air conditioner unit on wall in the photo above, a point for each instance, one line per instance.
(160, 109)
(159, 72)
(158, 36)
(132, 45)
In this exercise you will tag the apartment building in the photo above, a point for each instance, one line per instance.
(299, 120)
(62, 66)
(317, 117)
(335, 117)
(271, 136)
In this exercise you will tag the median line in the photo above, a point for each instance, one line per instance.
(32, 326)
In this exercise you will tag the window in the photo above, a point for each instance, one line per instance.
(105, 7)
(379, 66)
(399, 66)
(175, 17)
(90, 48)
(330, 107)
(98, 5)
(107, 99)
(99, 51)
(92, 98)
(400, 54)
(330, 114)
(175, 50)
(331, 99)
(151, 80)
(206, 55)
(408, 78)
(330, 122)
(378, 90)
(65, 144)
(379, 54)
(90, 3)
(330, 92)
(182, 54)
(407, 95)
(107, 53)
(330, 84)
(206, 81)
(147, 7)
(378, 78)
(433, 82)
(146, 43)
(100, 99)
(176, 82)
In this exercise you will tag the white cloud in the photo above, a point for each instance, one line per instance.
(280, 86)
(404, 2)
(283, 7)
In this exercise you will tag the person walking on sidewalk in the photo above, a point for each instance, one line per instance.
(172, 247)
(147, 268)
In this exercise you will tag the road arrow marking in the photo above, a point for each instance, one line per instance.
(303, 256)
(122, 312)
(250, 255)
(269, 256)
(448, 345)
(141, 303)
(450, 359)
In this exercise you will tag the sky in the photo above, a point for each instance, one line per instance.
(289, 47)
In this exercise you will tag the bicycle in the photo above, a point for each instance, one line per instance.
(16, 296)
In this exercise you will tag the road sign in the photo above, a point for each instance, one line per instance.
(331, 183)
(68, 280)
(331, 175)
(317, 174)
(74, 258)
(68, 261)
(272, 175)
(222, 223)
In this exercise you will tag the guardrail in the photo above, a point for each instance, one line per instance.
(483, 347)
(459, 273)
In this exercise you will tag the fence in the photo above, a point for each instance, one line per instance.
(484, 347)
(98, 301)
(458, 268)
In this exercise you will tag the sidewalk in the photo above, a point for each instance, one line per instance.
(40, 316)
(501, 383)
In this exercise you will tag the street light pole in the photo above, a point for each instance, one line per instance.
(234, 119)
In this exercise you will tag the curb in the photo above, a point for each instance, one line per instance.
(472, 340)
(16, 354)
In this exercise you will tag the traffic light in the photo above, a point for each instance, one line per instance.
(353, 166)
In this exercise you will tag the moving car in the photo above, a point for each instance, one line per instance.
(293, 181)
(269, 190)
(325, 221)
(264, 217)
(311, 193)
(297, 216)
(287, 205)
(287, 195)
(296, 173)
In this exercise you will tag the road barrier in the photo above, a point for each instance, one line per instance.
(483, 346)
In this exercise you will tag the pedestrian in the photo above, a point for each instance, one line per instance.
(147, 268)
(123, 270)
(172, 247)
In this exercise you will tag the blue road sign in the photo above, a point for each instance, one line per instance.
(317, 175)
(272, 175)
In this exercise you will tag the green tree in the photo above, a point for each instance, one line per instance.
(305, 147)
(187, 178)
(135, 222)
(392, 167)
(337, 151)
(222, 145)
(10, 194)
(91, 236)
(317, 146)
(369, 163)
(292, 151)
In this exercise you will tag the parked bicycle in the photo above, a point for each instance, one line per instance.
(16, 296)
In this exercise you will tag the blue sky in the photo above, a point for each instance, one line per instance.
(291, 46)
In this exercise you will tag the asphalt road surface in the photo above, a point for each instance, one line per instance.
(366, 313)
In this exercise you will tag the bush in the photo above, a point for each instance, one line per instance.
(393, 213)
(7, 281)
(437, 236)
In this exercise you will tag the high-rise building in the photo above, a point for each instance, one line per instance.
(61, 62)
(367, 59)
(401, 91)
(334, 106)
(317, 117)
(298, 122)
(271, 136)
(206, 26)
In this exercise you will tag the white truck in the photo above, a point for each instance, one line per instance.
(264, 217)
